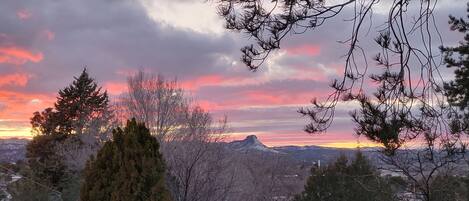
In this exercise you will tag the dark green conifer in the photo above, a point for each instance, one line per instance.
(77, 105)
(129, 167)
(346, 181)
(458, 58)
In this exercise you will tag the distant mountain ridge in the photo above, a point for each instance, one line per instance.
(12, 149)
(310, 153)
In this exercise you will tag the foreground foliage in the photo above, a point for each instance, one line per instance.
(346, 181)
(129, 167)
(457, 58)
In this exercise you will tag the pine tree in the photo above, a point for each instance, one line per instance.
(128, 168)
(346, 181)
(77, 106)
(77, 109)
(458, 90)
(79, 103)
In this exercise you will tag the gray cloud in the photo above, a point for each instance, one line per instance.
(109, 36)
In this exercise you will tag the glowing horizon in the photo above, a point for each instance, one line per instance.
(20, 134)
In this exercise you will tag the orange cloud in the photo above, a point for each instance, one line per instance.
(17, 108)
(310, 50)
(115, 88)
(18, 56)
(17, 79)
(20, 106)
(23, 14)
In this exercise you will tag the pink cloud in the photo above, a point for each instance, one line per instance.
(48, 34)
(263, 98)
(280, 97)
(221, 80)
(207, 105)
(23, 14)
(309, 50)
(319, 72)
(207, 80)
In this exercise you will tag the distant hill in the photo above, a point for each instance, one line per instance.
(305, 154)
(12, 149)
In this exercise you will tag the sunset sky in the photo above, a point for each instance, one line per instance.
(43, 44)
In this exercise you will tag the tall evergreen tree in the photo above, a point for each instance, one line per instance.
(79, 103)
(457, 58)
(346, 181)
(77, 110)
(128, 168)
(457, 92)
(77, 106)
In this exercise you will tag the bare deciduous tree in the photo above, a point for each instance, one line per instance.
(197, 161)
(154, 100)
(422, 168)
(198, 165)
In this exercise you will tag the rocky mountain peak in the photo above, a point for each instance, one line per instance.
(251, 142)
